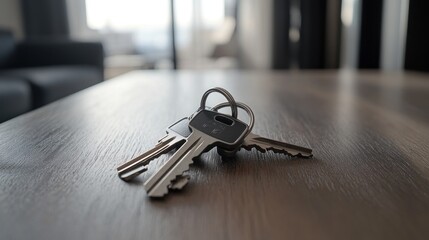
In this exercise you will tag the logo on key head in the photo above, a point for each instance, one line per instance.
(216, 131)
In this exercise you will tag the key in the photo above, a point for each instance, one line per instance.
(175, 137)
(179, 182)
(208, 129)
(262, 144)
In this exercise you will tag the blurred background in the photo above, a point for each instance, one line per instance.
(51, 43)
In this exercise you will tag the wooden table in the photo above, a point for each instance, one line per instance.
(369, 178)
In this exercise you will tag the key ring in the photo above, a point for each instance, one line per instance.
(242, 106)
(231, 153)
(231, 102)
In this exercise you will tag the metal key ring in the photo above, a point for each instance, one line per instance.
(242, 106)
(231, 102)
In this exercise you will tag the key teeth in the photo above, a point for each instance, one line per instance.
(166, 189)
(275, 150)
(179, 182)
(288, 153)
(281, 151)
(257, 147)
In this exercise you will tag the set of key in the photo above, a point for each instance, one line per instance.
(197, 134)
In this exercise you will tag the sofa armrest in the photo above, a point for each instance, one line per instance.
(59, 52)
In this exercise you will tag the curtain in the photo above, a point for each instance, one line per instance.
(45, 18)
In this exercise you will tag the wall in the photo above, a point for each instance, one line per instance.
(10, 17)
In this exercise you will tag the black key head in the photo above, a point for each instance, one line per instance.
(229, 131)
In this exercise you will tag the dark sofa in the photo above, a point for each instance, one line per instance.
(35, 73)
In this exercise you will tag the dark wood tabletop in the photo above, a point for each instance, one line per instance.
(368, 179)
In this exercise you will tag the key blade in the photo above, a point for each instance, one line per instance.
(163, 140)
(158, 184)
(265, 144)
(136, 166)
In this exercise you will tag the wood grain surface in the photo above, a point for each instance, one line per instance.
(368, 179)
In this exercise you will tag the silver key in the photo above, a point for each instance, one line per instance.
(176, 135)
(262, 144)
(208, 129)
(265, 144)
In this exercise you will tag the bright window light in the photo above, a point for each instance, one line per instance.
(127, 15)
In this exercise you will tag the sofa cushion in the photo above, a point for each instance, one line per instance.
(7, 47)
(15, 98)
(52, 83)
